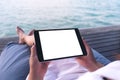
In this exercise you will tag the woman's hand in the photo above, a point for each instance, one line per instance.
(37, 69)
(88, 61)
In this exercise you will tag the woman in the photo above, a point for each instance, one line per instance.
(14, 63)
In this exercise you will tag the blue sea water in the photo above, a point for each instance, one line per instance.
(44, 14)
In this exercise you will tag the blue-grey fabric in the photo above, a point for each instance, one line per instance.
(100, 58)
(14, 61)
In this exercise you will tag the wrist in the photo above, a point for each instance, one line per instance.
(35, 76)
(94, 66)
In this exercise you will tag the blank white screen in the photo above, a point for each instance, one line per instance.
(59, 44)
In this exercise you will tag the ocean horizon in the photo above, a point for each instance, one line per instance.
(46, 14)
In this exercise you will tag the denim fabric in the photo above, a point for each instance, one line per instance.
(14, 62)
(100, 58)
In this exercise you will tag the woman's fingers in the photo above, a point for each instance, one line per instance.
(33, 51)
(88, 49)
(33, 57)
(45, 63)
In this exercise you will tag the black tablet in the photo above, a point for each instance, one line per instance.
(56, 44)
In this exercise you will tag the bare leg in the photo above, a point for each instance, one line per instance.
(29, 40)
(23, 38)
(31, 32)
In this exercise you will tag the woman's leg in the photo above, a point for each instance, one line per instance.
(14, 59)
(100, 58)
(14, 62)
(23, 38)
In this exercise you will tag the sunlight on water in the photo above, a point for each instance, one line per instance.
(42, 14)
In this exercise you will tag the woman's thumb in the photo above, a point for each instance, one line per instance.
(33, 51)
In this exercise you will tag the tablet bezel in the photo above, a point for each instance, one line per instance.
(39, 46)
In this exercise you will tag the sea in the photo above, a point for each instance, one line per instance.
(48, 14)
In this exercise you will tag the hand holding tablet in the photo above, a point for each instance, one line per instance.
(56, 44)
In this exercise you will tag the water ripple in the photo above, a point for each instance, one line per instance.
(63, 14)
